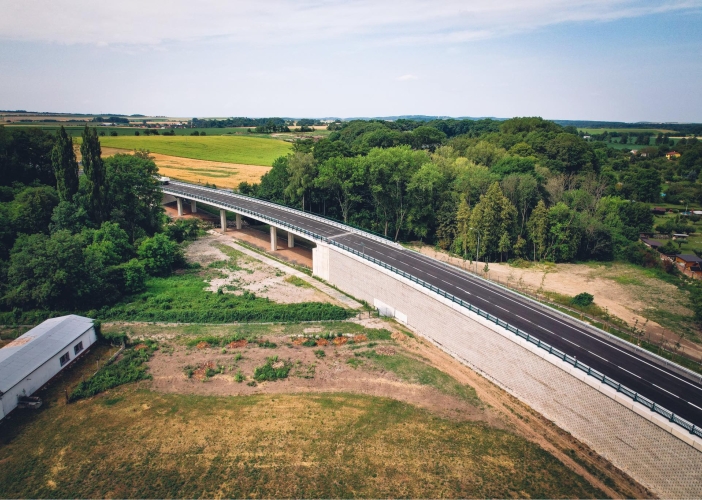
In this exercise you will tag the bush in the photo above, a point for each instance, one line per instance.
(582, 299)
(159, 254)
(267, 372)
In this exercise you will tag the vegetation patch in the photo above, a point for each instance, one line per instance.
(272, 370)
(128, 368)
(182, 298)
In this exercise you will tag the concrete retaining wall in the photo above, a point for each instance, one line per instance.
(624, 435)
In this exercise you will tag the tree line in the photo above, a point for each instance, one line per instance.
(76, 242)
(523, 188)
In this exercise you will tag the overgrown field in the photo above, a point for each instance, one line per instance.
(182, 298)
(229, 149)
(139, 444)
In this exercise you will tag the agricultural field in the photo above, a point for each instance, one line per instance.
(227, 149)
(292, 411)
(220, 174)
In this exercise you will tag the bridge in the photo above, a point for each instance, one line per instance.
(670, 387)
(637, 409)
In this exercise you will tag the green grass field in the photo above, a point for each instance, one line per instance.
(232, 149)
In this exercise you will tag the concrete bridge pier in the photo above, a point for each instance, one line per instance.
(274, 239)
(223, 220)
(291, 240)
(179, 201)
(193, 206)
(238, 221)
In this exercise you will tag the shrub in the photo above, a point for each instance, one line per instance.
(268, 372)
(320, 353)
(582, 299)
(159, 254)
(309, 342)
(128, 369)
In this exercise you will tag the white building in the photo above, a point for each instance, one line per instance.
(31, 360)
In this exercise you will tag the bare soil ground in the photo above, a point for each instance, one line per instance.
(624, 291)
(331, 373)
(223, 175)
(298, 255)
(240, 273)
(337, 372)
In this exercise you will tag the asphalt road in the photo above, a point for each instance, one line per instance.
(651, 380)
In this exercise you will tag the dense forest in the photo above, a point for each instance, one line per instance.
(525, 188)
(70, 242)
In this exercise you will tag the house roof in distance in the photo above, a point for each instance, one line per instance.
(688, 257)
(28, 352)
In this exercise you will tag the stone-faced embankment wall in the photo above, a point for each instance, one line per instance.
(617, 430)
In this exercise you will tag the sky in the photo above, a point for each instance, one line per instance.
(613, 60)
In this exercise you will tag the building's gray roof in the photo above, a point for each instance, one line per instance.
(28, 352)
(689, 258)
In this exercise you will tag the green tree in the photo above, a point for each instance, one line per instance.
(134, 198)
(504, 245)
(159, 255)
(492, 216)
(31, 210)
(390, 171)
(63, 159)
(342, 177)
(302, 169)
(94, 170)
(537, 227)
(463, 226)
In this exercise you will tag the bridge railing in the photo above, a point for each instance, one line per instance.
(638, 398)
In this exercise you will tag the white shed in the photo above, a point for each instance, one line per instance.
(31, 360)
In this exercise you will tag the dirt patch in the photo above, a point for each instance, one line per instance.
(140, 347)
(200, 373)
(385, 351)
(202, 345)
(340, 340)
(357, 339)
(309, 373)
(322, 342)
(240, 274)
(299, 341)
(238, 344)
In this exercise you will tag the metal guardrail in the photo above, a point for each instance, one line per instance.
(598, 332)
(656, 408)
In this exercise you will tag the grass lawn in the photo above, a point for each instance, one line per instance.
(626, 130)
(134, 443)
(229, 149)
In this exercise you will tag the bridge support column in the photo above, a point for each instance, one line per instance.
(179, 202)
(274, 239)
(291, 240)
(238, 221)
(193, 206)
(223, 220)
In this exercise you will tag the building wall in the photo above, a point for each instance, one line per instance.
(39, 377)
(619, 431)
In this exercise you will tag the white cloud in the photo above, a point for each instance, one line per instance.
(284, 22)
(405, 78)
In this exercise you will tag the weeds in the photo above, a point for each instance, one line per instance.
(272, 370)
(320, 353)
(127, 369)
